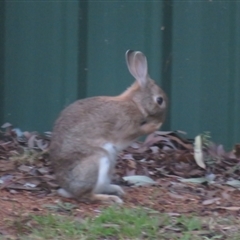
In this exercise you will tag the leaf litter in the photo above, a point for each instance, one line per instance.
(163, 173)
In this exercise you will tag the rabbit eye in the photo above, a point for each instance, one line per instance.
(160, 100)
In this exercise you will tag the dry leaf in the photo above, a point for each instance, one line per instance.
(230, 208)
(6, 125)
(176, 196)
(6, 165)
(237, 150)
(198, 153)
(31, 141)
(139, 180)
(234, 183)
(25, 168)
(131, 164)
(210, 201)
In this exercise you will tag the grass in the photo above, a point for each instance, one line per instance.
(127, 223)
(118, 222)
(122, 223)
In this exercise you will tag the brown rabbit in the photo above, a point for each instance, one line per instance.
(89, 133)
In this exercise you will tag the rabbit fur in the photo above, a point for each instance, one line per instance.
(89, 133)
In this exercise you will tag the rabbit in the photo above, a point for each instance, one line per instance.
(89, 133)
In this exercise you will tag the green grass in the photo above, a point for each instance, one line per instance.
(117, 222)
(125, 223)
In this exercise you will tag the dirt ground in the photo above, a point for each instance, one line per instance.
(27, 182)
(168, 196)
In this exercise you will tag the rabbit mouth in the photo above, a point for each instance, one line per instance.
(143, 122)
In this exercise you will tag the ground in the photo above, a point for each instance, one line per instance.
(181, 190)
(168, 196)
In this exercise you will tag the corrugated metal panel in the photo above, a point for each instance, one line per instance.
(42, 44)
(2, 19)
(56, 52)
(205, 70)
(54, 62)
(41, 61)
(112, 29)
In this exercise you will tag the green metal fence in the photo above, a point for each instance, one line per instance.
(52, 53)
(205, 70)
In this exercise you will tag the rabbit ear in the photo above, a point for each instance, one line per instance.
(137, 66)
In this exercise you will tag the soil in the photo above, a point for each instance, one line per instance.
(168, 196)
(28, 184)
